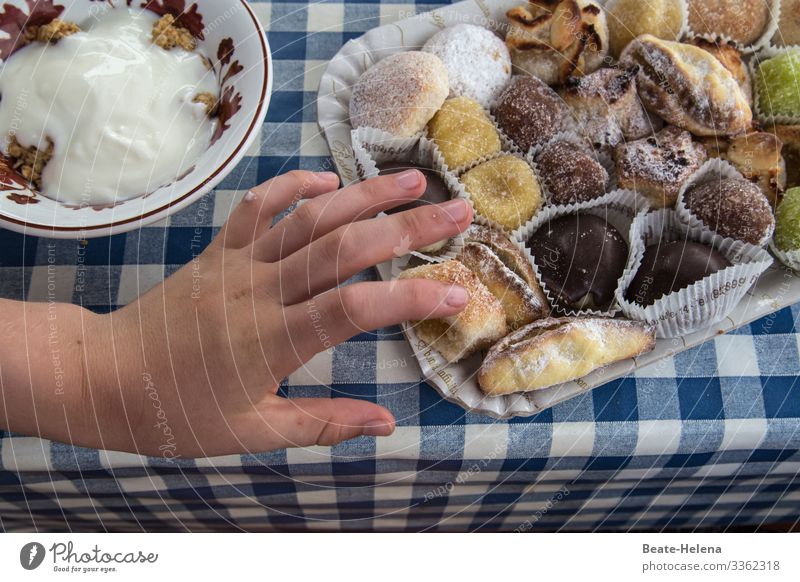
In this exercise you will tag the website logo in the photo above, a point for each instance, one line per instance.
(31, 555)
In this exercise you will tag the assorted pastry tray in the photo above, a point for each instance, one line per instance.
(607, 237)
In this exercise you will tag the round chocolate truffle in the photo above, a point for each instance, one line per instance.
(580, 259)
(529, 112)
(436, 190)
(673, 266)
(571, 175)
(732, 208)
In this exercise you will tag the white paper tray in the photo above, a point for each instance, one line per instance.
(777, 288)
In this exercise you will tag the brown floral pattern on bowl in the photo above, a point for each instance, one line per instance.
(16, 23)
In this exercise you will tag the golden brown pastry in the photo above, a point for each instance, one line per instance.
(743, 21)
(731, 58)
(758, 158)
(463, 132)
(507, 273)
(400, 93)
(628, 19)
(549, 352)
(687, 87)
(504, 190)
(519, 303)
(606, 106)
(481, 324)
(788, 32)
(790, 138)
(657, 166)
(556, 39)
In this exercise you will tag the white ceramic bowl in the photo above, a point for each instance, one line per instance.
(230, 35)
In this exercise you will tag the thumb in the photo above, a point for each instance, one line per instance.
(304, 422)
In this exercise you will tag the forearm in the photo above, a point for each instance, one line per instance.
(57, 376)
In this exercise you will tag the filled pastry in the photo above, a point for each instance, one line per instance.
(549, 352)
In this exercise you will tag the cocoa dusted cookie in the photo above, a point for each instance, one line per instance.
(658, 166)
(580, 259)
(606, 106)
(732, 208)
(529, 112)
(670, 267)
(571, 175)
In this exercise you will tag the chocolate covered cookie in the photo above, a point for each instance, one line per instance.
(670, 267)
(580, 259)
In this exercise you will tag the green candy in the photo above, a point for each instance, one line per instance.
(778, 84)
(787, 227)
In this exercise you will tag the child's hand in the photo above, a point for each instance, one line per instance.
(192, 368)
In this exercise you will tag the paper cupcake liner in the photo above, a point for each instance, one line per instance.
(372, 147)
(714, 169)
(619, 208)
(707, 301)
(790, 259)
(603, 158)
(763, 55)
(761, 42)
(480, 218)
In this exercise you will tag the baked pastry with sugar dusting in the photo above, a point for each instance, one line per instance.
(688, 87)
(400, 93)
(550, 352)
(606, 106)
(743, 21)
(733, 208)
(658, 166)
(507, 273)
(731, 58)
(571, 175)
(481, 324)
(556, 39)
(477, 61)
(463, 132)
(529, 112)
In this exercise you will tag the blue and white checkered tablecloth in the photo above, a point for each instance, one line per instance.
(708, 439)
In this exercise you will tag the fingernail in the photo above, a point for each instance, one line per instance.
(457, 209)
(378, 428)
(250, 196)
(457, 296)
(328, 176)
(408, 180)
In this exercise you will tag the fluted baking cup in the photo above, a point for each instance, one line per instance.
(372, 147)
(703, 303)
(619, 208)
(763, 41)
(479, 217)
(789, 258)
(761, 56)
(713, 170)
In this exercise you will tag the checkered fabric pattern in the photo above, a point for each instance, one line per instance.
(710, 438)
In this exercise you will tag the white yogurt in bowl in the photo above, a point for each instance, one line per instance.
(230, 36)
(118, 109)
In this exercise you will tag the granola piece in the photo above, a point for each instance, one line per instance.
(168, 34)
(56, 30)
(30, 162)
(209, 100)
